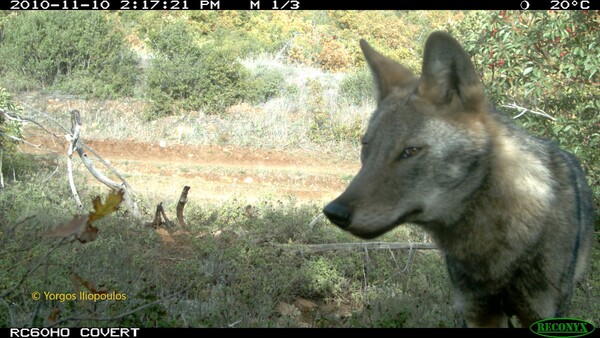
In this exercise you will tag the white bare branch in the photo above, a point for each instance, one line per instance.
(73, 138)
(524, 110)
(313, 248)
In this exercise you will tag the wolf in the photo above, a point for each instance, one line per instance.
(512, 213)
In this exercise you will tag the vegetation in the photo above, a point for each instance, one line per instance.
(268, 79)
(225, 271)
(10, 130)
(542, 61)
(80, 53)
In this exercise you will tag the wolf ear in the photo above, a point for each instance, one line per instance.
(448, 71)
(387, 73)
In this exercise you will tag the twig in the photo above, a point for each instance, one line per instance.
(75, 145)
(411, 253)
(394, 258)
(20, 140)
(113, 170)
(54, 172)
(157, 220)
(74, 137)
(525, 110)
(51, 119)
(315, 220)
(21, 119)
(366, 262)
(132, 206)
(234, 323)
(161, 209)
(159, 215)
(180, 206)
(75, 128)
(278, 55)
(312, 248)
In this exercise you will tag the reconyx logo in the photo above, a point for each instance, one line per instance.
(562, 327)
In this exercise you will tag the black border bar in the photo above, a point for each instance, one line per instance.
(299, 5)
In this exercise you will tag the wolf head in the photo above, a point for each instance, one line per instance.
(425, 151)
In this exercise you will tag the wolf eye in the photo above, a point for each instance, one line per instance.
(408, 152)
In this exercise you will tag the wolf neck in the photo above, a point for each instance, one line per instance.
(516, 191)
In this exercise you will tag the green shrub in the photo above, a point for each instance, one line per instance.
(321, 277)
(265, 84)
(173, 39)
(326, 127)
(62, 49)
(186, 76)
(544, 61)
(9, 129)
(357, 86)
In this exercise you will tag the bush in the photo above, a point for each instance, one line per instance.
(266, 84)
(357, 86)
(320, 278)
(8, 128)
(186, 76)
(61, 49)
(326, 127)
(389, 34)
(545, 61)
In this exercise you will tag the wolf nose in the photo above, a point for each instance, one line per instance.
(338, 213)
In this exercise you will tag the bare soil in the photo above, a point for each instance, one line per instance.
(214, 172)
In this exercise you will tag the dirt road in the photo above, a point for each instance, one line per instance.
(216, 172)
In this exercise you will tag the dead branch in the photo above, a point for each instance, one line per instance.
(26, 119)
(526, 110)
(74, 137)
(180, 206)
(315, 220)
(159, 215)
(76, 145)
(314, 248)
(129, 203)
(48, 117)
(17, 139)
(164, 215)
(113, 170)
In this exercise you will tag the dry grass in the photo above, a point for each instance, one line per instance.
(281, 123)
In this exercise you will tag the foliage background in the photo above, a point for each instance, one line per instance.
(304, 73)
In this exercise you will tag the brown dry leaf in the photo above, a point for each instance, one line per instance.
(75, 226)
(78, 280)
(164, 234)
(89, 235)
(86, 284)
(54, 315)
(110, 205)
